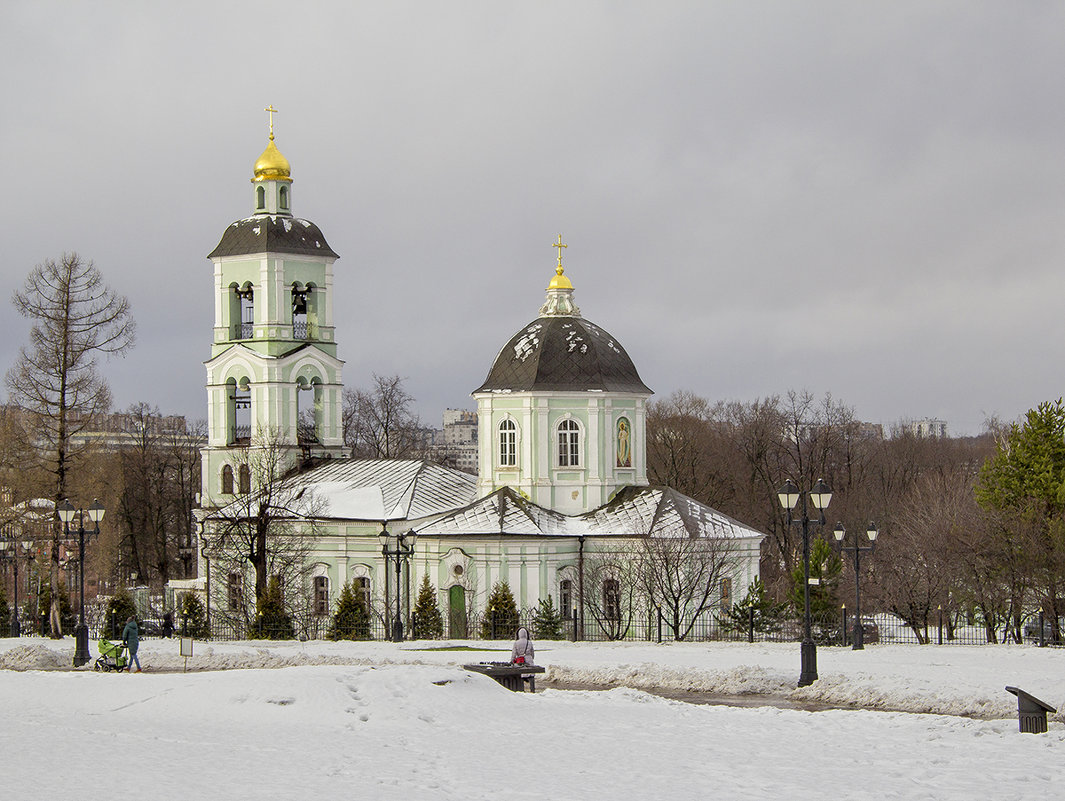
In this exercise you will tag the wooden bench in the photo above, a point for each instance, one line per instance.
(513, 677)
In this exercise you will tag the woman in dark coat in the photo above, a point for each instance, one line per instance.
(131, 639)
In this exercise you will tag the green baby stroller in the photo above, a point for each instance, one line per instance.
(112, 656)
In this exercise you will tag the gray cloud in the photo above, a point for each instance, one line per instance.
(857, 198)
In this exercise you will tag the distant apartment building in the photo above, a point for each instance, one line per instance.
(456, 443)
(929, 427)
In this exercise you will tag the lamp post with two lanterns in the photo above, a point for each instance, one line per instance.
(839, 533)
(399, 547)
(95, 513)
(789, 495)
(14, 549)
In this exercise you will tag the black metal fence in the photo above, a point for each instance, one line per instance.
(835, 629)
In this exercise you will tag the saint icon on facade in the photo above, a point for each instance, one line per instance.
(624, 443)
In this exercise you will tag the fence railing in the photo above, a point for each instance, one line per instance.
(833, 629)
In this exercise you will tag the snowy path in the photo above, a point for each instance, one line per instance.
(438, 732)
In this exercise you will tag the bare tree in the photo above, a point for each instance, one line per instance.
(76, 317)
(681, 576)
(380, 423)
(610, 589)
(269, 526)
(159, 475)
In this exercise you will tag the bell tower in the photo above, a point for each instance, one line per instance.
(273, 379)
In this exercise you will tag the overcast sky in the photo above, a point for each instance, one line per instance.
(865, 199)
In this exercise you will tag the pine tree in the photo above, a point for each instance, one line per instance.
(547, 622)
(274, 623)
(825, 566)
(192, 616)
(428, 624)
(120, 608)
(351, 620)
(768, 614)
(500, 614)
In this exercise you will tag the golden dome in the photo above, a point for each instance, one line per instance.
(271, 165)
(560, 281)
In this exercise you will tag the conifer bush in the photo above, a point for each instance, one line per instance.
(428, 624)
(547, 621)
(273, 623)
(351, 620)
(768, 615)
(120, 608)
(500, 620)
(192, 617)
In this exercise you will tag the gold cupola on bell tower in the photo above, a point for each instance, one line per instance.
(272, 177)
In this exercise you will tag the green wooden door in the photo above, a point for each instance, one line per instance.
(457, 613)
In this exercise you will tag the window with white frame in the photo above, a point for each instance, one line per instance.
(569, 443)
(508, 444)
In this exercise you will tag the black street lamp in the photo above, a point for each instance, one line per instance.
(839, 533)
(399, 547)
(13, 549)
(820, 496)
(95, 513)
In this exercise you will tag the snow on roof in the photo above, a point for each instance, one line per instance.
(386, 489)
(634, 512)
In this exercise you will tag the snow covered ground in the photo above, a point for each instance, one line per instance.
(384, 721)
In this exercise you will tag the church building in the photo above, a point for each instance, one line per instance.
(561, 503)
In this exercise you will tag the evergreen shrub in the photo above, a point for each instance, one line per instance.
(500, 620)
(428, 624)
(351, 620)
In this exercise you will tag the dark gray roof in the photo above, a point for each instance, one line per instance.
(565, 354)
(270, 233)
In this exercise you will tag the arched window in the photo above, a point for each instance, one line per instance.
(239, 413)
(244, 475)
(508, 444)
(321, 595)
(244, 324)
(260, 198)
(362, 592)
(236, 591)
(284, 198)
(569, 444)
(299, 312)
(612, 600)
(227, 480)
(308, 410)
(565, 599)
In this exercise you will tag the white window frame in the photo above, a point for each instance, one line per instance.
(569, 436)
(507, 435)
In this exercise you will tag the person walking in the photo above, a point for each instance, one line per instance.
(131, 639)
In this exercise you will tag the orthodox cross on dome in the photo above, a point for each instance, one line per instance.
(559, 245)
(559, 291)
(272, 111)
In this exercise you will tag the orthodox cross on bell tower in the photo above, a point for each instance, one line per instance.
(272, 111)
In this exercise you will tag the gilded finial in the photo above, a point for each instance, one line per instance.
(559, 281)
(272, 111)
(559, 245)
